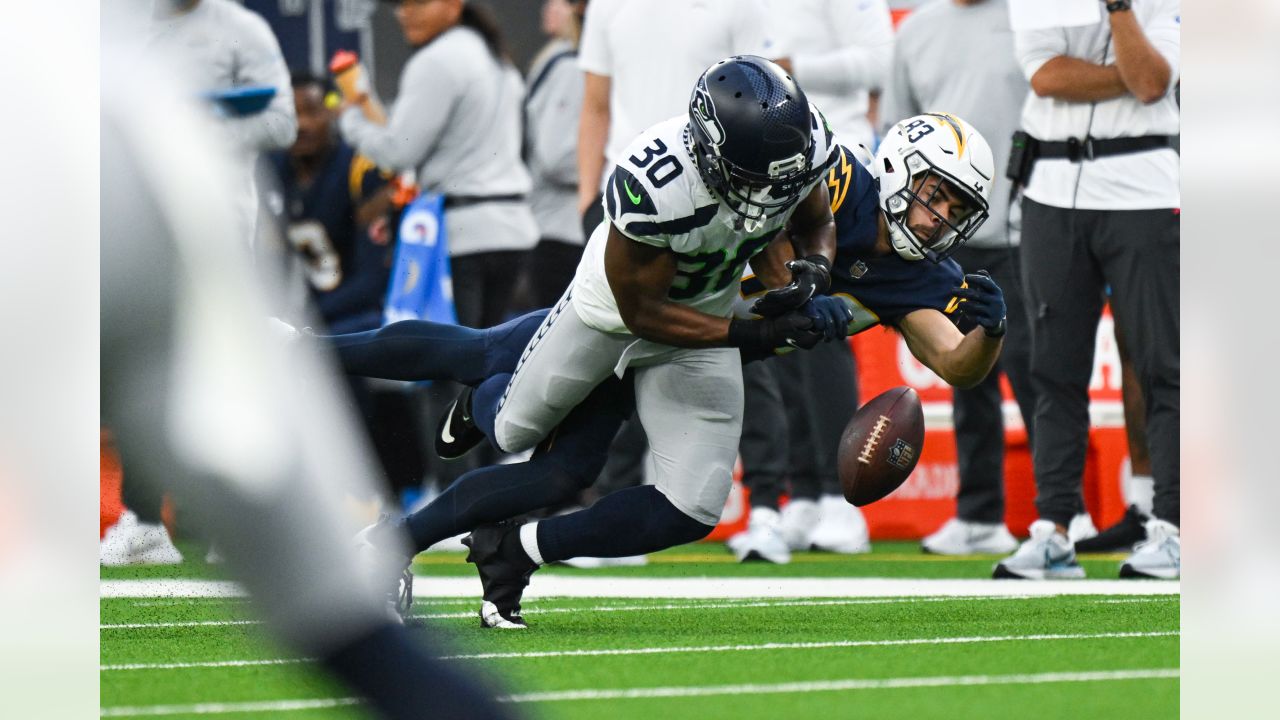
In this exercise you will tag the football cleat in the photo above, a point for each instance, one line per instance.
(130, 542)
(458, 434)
(960, 537)
(841, 529)
(796, 522)
(1047, 555)
(1159, 556)
(388, 569)
(1081, 527)
(1123, 536)
(504, 569)
(761, 540)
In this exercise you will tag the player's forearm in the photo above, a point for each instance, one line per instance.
(818, 239)
(972, 360)
(1144, 72)
(677, 325)
(1075, 80)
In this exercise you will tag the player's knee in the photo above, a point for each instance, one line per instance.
(679, 527)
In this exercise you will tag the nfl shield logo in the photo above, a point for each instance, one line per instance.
(858, 270)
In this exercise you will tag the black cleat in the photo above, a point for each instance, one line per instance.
(458, 433)
(504, 569)
(1120, 537)
(389, 568)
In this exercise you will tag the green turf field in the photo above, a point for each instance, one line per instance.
(924, 656)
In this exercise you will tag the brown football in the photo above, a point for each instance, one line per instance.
(881, 445)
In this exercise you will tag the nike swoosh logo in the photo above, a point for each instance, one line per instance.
(445, 433)
(635, 199)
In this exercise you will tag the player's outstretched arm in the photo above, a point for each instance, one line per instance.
(963, 360)
(640, 276)
(812, 234)
(813, 227)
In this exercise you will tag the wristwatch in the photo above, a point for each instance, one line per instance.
(1118, 5)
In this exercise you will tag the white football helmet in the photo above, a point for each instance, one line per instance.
(942, 145)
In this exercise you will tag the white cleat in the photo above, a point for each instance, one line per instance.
(1081, 528)
(798, 519)
(130, 542)
(841, 529)
(492, 617)
(1159, 556)
(1047, 555)
(960, 537)
(761, 540)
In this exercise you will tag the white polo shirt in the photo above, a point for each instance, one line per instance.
(1139, 181)
(840, 50)
(654, 50)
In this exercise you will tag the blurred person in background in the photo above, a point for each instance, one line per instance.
(203, 401)
(552, 105)
(223, 47)
(1100, 208)
(840, 53)
(333, 201)
(631, 81)
(333, 205)
(456, 123)
(218, 47)
(957, 56)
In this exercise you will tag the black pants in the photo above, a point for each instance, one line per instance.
(978, 411)
(796, 408)
(551, 269)
(1069, 257)
(483, 284)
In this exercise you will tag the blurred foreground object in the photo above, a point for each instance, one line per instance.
(202, 398)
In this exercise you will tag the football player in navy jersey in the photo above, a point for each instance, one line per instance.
(333, 200)
(891, 268)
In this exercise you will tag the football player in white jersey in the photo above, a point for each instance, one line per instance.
(691, 201)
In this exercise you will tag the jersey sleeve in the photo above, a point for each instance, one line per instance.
(647, 197)
(364, 178)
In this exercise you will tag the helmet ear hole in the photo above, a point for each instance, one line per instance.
(888, 166)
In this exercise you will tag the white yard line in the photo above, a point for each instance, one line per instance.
(851, 684)
(546, 585)
(684, 649)
(224, 708)
(672, 692)
(729, 604)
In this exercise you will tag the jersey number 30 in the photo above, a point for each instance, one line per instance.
(662, 172)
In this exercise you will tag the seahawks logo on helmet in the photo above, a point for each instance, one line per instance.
(706, 115)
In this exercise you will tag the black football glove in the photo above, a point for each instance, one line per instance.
(983, 302)
(762, 336)
(831, 315)
(810, 276)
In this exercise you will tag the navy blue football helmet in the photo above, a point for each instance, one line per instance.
(752, 136)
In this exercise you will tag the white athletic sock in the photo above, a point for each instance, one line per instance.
(529, 541)
(1142, 492)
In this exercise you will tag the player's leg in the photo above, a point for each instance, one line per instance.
(563, 362)
(693, 437)
(422, 350)
(1064, 298)
(1142, 263)
(569, 461)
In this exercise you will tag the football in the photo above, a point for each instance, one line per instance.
(881, 445)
